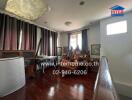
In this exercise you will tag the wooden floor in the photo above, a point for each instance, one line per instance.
(52, 87)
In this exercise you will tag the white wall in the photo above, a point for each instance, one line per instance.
(94, 35)
(118, 49)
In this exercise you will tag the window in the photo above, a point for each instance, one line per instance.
(51, 45)
(73, 42)
(76, 40)
(117, 28)
(20, 40)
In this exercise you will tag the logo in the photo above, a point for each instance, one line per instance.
(117, 10)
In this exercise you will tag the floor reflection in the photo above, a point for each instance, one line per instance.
(51, 92)
(77, 91)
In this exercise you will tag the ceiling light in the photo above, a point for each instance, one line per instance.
(28, 9)
(68, 23)
(45, 22)
(82, 3)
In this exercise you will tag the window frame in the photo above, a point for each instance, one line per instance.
(77, 43)
(109, 27)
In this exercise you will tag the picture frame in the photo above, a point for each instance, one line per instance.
(65, 50)
(95, 49)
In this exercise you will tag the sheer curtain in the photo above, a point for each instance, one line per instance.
(76, 40)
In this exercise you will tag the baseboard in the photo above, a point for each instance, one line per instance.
(123, 88)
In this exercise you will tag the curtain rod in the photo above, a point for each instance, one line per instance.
(78, 30)
(25, 20)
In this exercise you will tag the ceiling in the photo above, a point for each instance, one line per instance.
(62, 11)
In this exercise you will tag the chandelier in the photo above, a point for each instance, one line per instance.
(28, 9)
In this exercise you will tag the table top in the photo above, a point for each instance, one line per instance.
(46, 57)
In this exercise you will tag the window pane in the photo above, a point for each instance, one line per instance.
(79, 40)
(20, 40)
(73, 41)
(117, 28)
(51, 45)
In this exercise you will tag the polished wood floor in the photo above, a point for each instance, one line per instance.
(54, 87)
